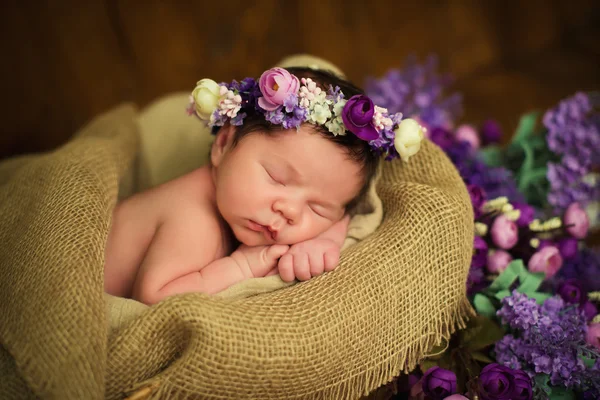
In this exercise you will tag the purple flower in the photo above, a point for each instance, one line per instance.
(480, 249)
(576, 221)
(519, 311)
(456, 397)
(477, 197)
(491, 132)
(439, 383)
(504, 232)
(442, 137)
(589, 310)
(417, 90)
(568, 248)
(358, 117)
(571, 292)
(527, 213)
(585, 267)
(497, 382)
(523, 387)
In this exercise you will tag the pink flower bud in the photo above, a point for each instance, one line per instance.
(546, 260)
(576, 221)
(504, 232)
(593, 335)
(497, 261)
(466, 133)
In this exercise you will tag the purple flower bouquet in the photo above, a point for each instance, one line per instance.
(533, 282)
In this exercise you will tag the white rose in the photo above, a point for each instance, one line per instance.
(206, 97)
(409, 136)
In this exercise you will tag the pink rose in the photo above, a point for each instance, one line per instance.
(593, 335)
(466, 133)
(547, 260)
(456, 397)
(497, 261)
(504, 232)
(276, 85)
(576, 221)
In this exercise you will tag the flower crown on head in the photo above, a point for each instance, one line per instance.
(285, 100)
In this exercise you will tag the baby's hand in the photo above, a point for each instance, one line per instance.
(309, 258)
(257, 261)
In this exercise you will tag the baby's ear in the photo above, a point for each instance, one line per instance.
(222, 144)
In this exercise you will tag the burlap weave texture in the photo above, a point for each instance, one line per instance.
(341, 335)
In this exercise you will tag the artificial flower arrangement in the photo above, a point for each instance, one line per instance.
(283, 99)
(533, 282)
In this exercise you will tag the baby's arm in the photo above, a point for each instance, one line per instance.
(314, 256)
(181, 259)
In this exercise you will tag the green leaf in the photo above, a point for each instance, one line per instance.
(487, 334)
(588, 361)
(530, 282)
(484, 305)
(539, 297)
(502, 294)
(508, 276)
(479, 356)
(526, 127)
(426, 364)
(560, 393)
(492, 156)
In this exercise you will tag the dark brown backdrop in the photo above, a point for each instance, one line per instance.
(65, 61)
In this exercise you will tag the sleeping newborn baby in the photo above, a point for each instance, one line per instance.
(293, 155)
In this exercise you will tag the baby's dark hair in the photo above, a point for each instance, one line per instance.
(357, 149)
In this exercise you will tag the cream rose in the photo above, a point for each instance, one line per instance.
(409, 136)
(206, 97)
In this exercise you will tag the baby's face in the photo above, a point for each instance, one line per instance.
(284, 188)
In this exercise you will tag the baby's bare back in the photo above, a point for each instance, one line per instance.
(183, 211)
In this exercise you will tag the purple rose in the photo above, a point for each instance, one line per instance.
(593, 335)
(589, 310)
(497, 261)
(477, 197)
(491, 132)
(497, 382)
(504, 232)
(439, 383)
(358, 117)
(523, 388)
(480, 249)
(546, 260)
(441, 137)
(568, 247)
(276, 85)
(527, 213)
(571, 291)
(576, 221)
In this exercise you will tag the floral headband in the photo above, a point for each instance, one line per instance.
(285, 100)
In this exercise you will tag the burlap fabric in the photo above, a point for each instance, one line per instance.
(341, 335)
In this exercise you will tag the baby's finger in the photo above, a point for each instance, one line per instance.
(317, 264)
(286, 267)
(274, 271)
(277, 250)
(301, 266)
(331, 258)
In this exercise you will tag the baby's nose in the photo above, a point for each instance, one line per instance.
(288, 209)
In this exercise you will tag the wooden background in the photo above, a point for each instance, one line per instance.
(65, 61)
